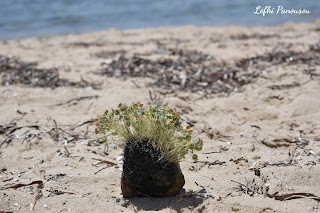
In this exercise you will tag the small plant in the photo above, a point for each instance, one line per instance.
(162, 127)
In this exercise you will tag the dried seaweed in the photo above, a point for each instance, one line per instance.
(109, 54)
(310, 57)
(186, 70)
(13, 71)
(66, 135)
(251, 188)
(279, 164)
(193, 71)
(58, 133)
(237, 160)
(284, 86)
(87, 44)
(9, 129)
(254, 36)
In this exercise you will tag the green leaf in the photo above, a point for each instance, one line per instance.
(103, 140)
(188, 137)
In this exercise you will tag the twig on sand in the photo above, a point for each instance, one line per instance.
(67, 153)
(210, 163)
(154, 98)
(293, 196)
(213, 152)
(252, 188)
(7, 140)
(109, 163)
(77, 99)
(86, 122)
(15, 186)
(58, 192)
(104, 162)
(20, 127)
(101, 169)
(106, 149)
(57, 133)
(37, 193)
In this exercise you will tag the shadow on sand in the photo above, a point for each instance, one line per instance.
(176, 203)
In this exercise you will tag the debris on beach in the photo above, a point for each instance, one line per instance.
(186, 70)
(108, 54)
(310, 57)
(62, 134)
(193, 71)
(14, 71)
(253, 188)
(254, 36)
(37, 192)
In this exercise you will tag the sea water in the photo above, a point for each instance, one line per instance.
(23, 18)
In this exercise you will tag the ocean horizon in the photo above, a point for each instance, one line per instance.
(28, 18)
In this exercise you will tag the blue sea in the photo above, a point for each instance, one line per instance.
(24, 18)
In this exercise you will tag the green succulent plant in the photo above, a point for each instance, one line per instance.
(160, 126)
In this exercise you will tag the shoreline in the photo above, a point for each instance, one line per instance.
(163, 27)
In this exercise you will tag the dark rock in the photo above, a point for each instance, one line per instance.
(147, 173)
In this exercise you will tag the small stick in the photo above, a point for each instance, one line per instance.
(67, 151)
(7, 140)
(57, 132)
(207, 153)
(86, 122)
(246, 186)
(37, 194)
(77, 99)
(106, 149)
(101, 170)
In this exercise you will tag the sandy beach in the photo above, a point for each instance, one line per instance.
(252, 93)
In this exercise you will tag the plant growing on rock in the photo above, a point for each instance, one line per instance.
(155, 141)
(157, 125)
